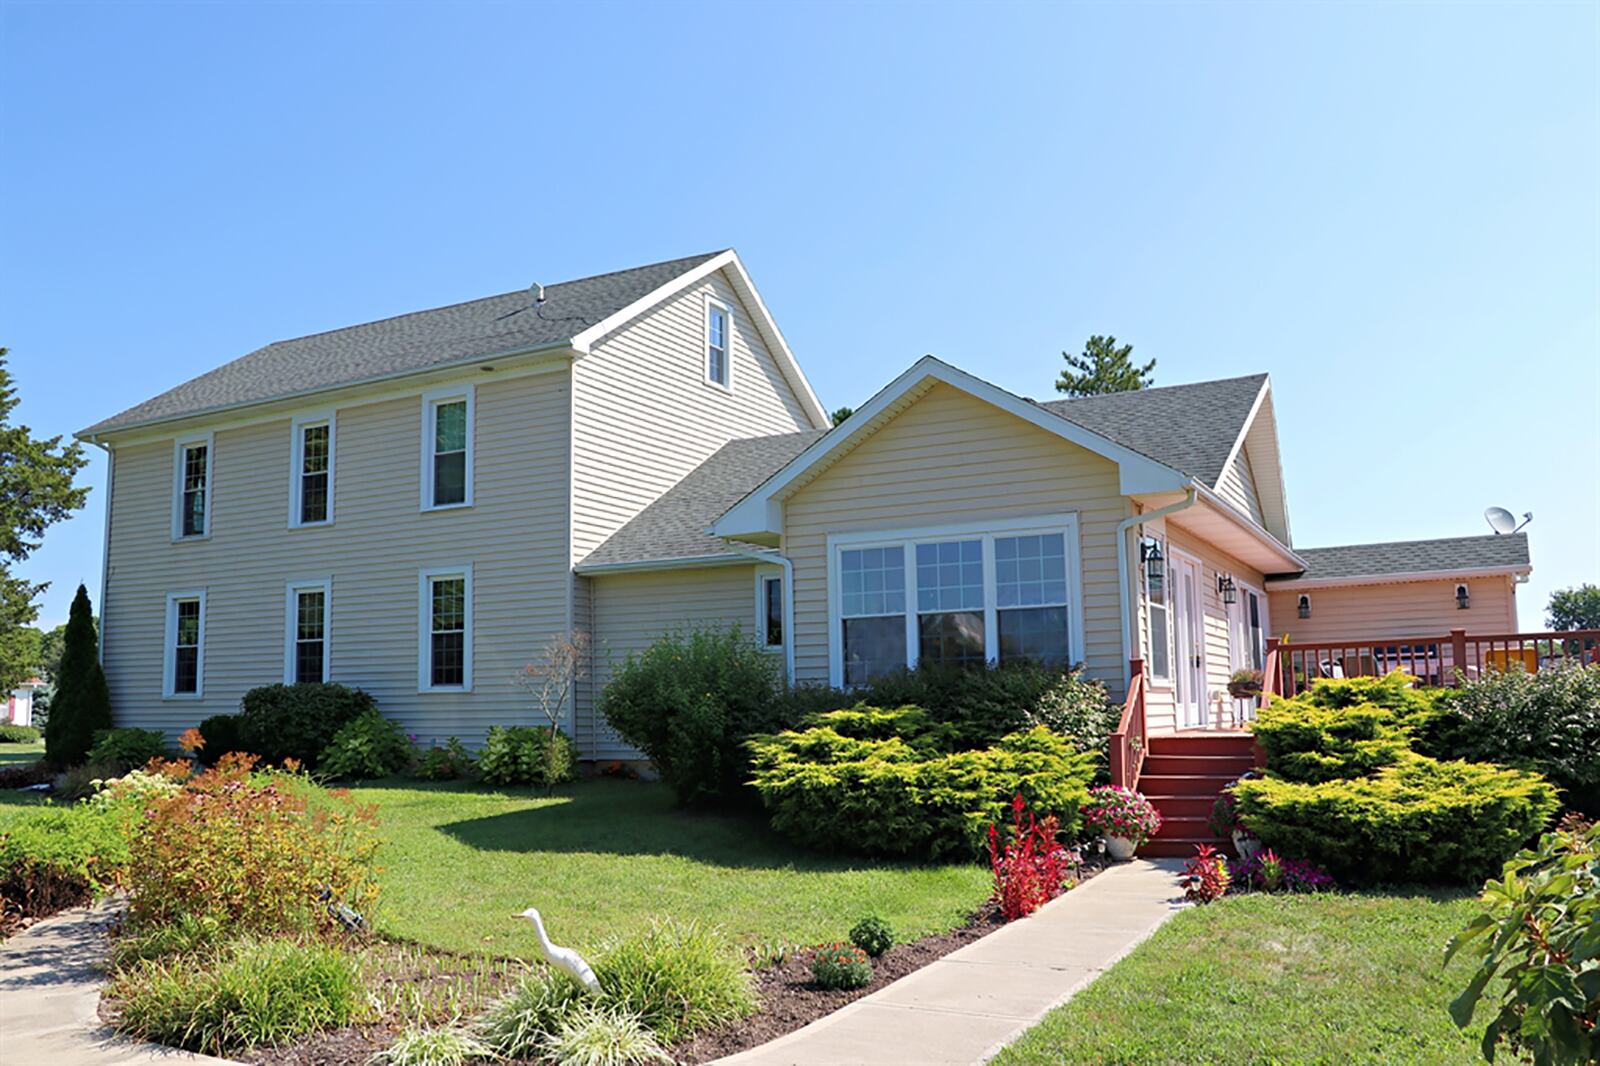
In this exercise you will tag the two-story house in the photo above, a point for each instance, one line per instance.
(416, 506)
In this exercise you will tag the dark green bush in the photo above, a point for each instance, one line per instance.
(82, 701)
(841, 966)
(872, 935)
(527, 755)
(1547, 721)
(11, 733)
(1416, 819)
(690, 701)
(879, 782)
(223, 734)
(298, 721)
(128, 748)
(980, 705)
(446, 763)
(57, 857)
(366, 747)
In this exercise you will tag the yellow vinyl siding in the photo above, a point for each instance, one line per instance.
(633, 611)
(1238, 487)
(644, 415)
(515, 536)
(951, 458)
(1407, 609)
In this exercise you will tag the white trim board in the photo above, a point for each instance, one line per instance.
(1300, 584)
(425, 577)
(291, 619)
(297, 427)
(169, 655)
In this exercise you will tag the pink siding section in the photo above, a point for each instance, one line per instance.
(1406, 609)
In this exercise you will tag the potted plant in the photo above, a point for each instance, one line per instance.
(1225, 822)
(1245, 684)
(1123, 817)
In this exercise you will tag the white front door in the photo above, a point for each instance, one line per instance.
(1189, 671)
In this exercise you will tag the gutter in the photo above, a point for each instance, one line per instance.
(779, 559)
(1191, 494)
(1519, 571)
(682, 562)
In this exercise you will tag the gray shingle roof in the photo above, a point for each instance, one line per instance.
(674, 526)
(422, 340)
(1191, 428)
(1415, 556)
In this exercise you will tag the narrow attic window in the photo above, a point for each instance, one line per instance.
(718, 371)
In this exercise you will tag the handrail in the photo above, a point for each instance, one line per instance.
(1442, 659)
(1128, 741)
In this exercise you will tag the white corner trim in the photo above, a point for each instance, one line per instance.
(714, 304)
(297, 427)
(425, 579)
(467, 391)
(986, 530)
(291, 618)
(169, 655)
(1244, 430)
(179, 446)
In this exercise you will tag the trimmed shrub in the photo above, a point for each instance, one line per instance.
(58, 857)
(365, 747)
(680, 978)
(978, 705)
(252, 851)
(515, 1027)
(527, 755)
(1416, 819)
(1326, 735)
(874, 781)
(82, 702)
(223, 734)
(592, 1035)
(872, 935)
(256, 993)
(689, 702)
(446, 763)
(128, 748)
(298, 721)
(1547, 721)
(10, 733)
(841, 966)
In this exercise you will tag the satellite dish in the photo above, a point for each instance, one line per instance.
(1500, 520)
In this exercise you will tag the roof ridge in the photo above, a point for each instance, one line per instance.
(1159, 388)
(476, 299)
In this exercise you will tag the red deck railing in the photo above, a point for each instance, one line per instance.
(1451, 659)
(1128, 742)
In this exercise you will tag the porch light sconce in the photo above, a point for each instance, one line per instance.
(1225, 585)
(1150, 555)
(1305, 607)
(1463, 601)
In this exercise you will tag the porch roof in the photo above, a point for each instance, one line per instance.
(1410, 560)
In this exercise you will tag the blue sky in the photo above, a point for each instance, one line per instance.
(1394, 209)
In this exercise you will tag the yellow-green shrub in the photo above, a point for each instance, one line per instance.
(873, 781)
(1416, 819)
(1343, 728)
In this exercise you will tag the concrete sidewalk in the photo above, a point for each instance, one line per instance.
(50, 978)
(971, 1003)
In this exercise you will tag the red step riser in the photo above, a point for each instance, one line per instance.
(1172, 744)
(1180, 849)
(1182, 806)
(1233, 765)
(1184, 785)
(1183, 828)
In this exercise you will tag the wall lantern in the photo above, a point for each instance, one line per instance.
(1225, 585)
(1305, 606)
(1463, 601)
(1154, 568)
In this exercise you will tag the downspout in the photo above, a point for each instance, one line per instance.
(1191, 492)
(774, 558)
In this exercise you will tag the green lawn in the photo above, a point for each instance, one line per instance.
(602, 856)
(12, 801)
(1274, 979)
(17, 754)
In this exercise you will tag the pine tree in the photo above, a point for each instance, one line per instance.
(1103, 367)
(82, 702)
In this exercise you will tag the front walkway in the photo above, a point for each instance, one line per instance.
(50, 978)
(968, 1005)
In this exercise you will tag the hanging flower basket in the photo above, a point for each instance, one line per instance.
(1245, 684)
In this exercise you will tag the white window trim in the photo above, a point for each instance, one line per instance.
(1155, 681)
(987, 531)
(169, 650)
(431, 399)
(297, 427)
(179, 446)
(291, 619)
(727, 344)
(765, 574)
(425, 578)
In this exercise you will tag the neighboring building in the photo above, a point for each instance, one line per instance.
(416, 506)
(19, 702)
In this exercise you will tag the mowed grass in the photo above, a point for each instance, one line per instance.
(14, 802)
(20, 754)
(601, 857)
(1275, 979)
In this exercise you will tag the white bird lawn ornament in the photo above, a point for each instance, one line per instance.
(562, 958)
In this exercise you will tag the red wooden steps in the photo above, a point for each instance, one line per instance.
(1182, 776)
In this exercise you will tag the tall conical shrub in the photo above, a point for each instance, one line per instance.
(82, 702)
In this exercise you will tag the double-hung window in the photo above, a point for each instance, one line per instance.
(311, 471)
(961, 597)
(769, 592)
(184, 669)
(718, 369)
(1157, 609)
(305, 651)
(447, 435)
(191, 495)
(445, 627)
